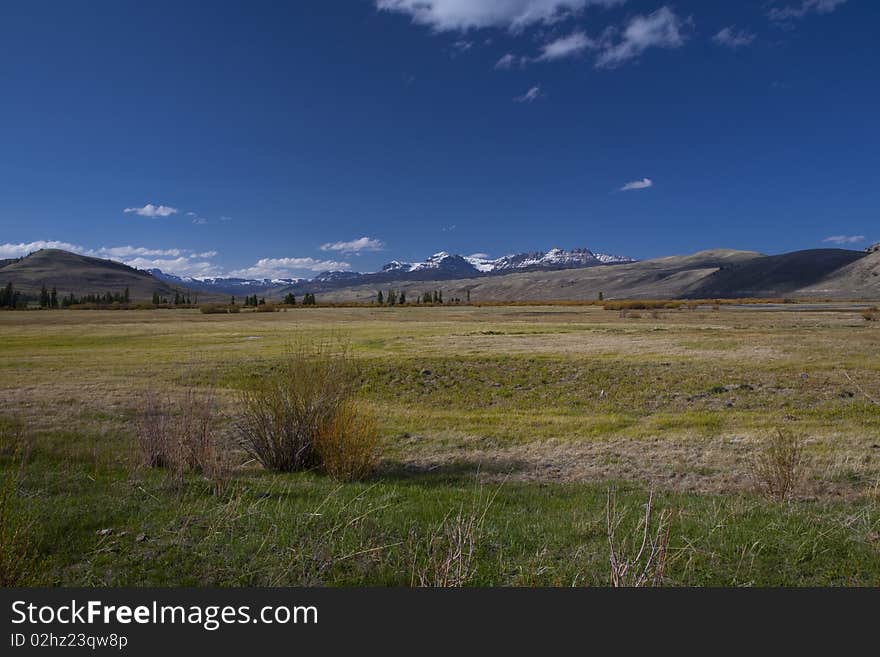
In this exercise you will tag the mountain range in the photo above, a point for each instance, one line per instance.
(555, 275)
(440, 266)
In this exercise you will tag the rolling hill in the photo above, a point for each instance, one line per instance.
(77, 274)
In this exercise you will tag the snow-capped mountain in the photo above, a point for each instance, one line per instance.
(553, 259)
(225, 285)
(440, 266)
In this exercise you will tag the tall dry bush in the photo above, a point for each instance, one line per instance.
(348, 445)
(638, 558)
(180, 434)
(284, 412)
(779, 465)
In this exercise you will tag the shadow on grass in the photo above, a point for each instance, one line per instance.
(446, 472)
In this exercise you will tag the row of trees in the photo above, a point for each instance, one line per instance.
(9, 297)
(12, 298)
(71, 299)
(395, 298)
(289, 300)
(179, 299)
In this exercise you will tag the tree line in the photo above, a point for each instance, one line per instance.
(394, 298)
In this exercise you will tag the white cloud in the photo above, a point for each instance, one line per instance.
(23, 248)
(288, 267)
(507, 61)
(644, 183)
(530, 96)
(845, 239)
(355, 246)
(804, 8)
(181, 262)
(182, 266)
(733, 38)
(463, 15)
(150, 210)
(662, 29)
(567, 46)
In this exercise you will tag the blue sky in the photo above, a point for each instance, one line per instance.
(282, 139)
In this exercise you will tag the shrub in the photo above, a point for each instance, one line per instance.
(285, 411)
(153, 432)
(267, 308)
(179, 435)
(871, 314)
(348, 446)
(779, 465)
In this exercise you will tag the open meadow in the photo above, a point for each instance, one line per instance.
(502, 430)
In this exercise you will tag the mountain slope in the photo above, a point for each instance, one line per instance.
(857, 280)
(775, 276)
(69, 272)
(663, 278)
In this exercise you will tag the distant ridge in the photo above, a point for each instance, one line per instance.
(716, 273)
(78, 274)
(440, 266)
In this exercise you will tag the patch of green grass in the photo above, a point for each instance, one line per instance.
(306, 529)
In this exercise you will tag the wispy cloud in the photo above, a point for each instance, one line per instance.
(567, 46)
(150, 210)
(662, 29)
(464, 15)
(804, 8)
(355, 246)
(845, 239)
(507, 61)
(530, 96)
(733, 38)
(288, 268)
(644, 183)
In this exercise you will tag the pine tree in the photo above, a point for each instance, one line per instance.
(469, 295)
(53, 298)
(126, 295)
(402, 298)
(380, 299)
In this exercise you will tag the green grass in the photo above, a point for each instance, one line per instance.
(305, 529)
(557, 405)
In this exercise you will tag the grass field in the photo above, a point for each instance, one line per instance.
(522, 417)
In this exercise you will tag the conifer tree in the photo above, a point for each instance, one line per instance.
(380, 299)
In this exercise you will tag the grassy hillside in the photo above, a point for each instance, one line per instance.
(778, 275)
(77, 274)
